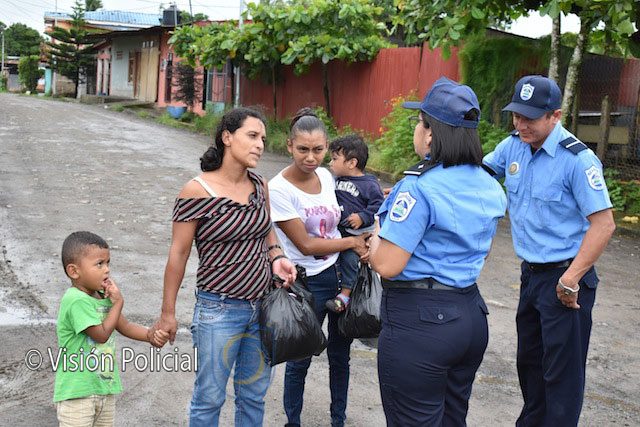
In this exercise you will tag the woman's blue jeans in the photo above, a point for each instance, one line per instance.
(324, 286)
(226, 334)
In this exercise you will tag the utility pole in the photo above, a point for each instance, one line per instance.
(53, 57)
(2, 67)
(236, 71)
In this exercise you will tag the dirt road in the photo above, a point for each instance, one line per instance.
(65, 167)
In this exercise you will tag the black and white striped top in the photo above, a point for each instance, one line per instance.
(230, 238)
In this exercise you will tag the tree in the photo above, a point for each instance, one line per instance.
(91, 5)
(71, 53)
(28, 72)
(608, 22)
(441, 24)
(187, 18)
(300, 33)
(327, 30)
(188, 83)
(20, 40)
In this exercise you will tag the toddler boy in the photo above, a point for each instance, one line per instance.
(359, 196)
(87, 371)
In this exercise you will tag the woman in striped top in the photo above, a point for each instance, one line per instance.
(226, 211)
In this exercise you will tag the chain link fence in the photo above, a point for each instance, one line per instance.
(606, 115)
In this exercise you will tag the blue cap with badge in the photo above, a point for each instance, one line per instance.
(534, 96)
(448, 102)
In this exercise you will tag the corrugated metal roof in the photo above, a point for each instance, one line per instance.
(113, 16)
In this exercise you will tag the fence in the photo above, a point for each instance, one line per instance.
(360, 96)
(607, 115)
(360, 93)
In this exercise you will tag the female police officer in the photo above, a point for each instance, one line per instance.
(435, 231)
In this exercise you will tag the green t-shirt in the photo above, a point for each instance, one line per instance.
(83, 367)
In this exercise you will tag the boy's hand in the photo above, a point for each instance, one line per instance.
(111, 291)
(354, 221)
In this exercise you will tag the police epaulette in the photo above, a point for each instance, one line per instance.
(573, 145)
(420, 168)
(514, 133)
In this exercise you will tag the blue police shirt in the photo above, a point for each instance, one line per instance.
(446, 219)
(550, 192)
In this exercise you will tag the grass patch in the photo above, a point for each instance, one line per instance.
(117, 107)
(143, 114)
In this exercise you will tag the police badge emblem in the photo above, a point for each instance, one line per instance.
(526, 92)
(514, 168)
(594, 176)
(402, 207)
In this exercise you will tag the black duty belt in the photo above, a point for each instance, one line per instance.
(428, 283)
(534, 266)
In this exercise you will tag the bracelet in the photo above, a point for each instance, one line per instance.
(567, 290)
(276, 246)
(277, 257)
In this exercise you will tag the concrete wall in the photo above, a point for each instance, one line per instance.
(120, 86)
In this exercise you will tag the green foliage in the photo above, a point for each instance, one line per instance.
(143, 114)
(28, 72)
(187, 18)
(20, 40)
(609, 23)
(208, 46)
(117, 107)
(299, 32)
(625, 195)
(167, 120)
(444, 23)
(490, 65)
(71, 53)
(490, 135)
(207, 124)
(394, 148)
(3, 82)
(325, 30)
(91, 5)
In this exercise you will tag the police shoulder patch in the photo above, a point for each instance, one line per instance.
(594, 176)
(402, 206)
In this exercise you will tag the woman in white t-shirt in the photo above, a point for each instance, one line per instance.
(306, 214)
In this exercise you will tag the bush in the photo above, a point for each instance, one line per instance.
(625, 195)
(28, 72)
(490, 135)
(3, 83)
(395, 152)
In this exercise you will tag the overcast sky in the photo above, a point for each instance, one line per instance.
(31, 12)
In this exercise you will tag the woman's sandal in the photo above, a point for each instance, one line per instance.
(338, 304)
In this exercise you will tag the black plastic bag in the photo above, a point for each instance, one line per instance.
(289, 328)
(361, 319)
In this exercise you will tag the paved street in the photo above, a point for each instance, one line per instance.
(66, 167)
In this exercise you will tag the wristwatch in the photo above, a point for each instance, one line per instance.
(567, 290)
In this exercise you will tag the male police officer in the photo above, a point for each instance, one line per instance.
(561, 221)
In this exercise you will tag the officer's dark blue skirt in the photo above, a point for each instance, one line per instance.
(430, 347)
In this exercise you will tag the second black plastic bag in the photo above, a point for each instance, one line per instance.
(289, 328)
(362, 317)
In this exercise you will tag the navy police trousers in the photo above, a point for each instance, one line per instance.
(430, 347)
(552, 348)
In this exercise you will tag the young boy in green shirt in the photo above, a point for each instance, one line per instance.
(87, 371)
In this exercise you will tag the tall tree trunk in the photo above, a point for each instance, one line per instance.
(554, 61)
(325, 87)
(574, 69)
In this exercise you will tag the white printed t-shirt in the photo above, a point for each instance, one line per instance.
(320, 214)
